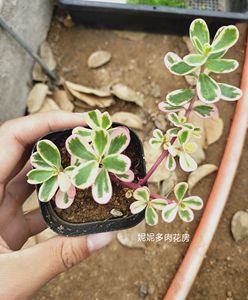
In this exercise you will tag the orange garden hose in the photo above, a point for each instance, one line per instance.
(203, 236)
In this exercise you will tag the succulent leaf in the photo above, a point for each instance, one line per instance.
(38, 162)
(137, 206)
(117, 163)
(84, 176)
(126, 177)
(100, 141)
(170, 163)
(195, 60)
(151, 216)
(207, 89)
(180, 190)
(170, 59)
(84, 132)
(49, 153)
(119, 140)
(222, 65)
(199, 34)
(193, 202)
(229, 92)
(48, 189)
(158, 204)
(62, 200)
(166, 107)
(180, 97)
(203, 110)
(187, 163)
(142, 194)
(169, 212)
(77, 146)
(225, 38)
(38, 176)
(181, 68)
(186, 214)
(102, 187)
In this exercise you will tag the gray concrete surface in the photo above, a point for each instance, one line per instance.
(31, 20)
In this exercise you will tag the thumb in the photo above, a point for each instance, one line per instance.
(29, 269)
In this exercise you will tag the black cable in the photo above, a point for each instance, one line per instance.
(23, 44)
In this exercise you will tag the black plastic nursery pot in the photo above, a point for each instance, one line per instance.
(123, 16)
(62, 227)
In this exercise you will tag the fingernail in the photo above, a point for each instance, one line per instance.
(98, 241)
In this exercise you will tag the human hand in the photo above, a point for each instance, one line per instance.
(23, 272)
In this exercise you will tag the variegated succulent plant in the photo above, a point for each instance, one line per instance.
(96, 151)
(99, 154)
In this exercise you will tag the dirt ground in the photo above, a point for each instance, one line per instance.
(120, 273)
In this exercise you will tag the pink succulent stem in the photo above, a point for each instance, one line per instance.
(165, 153)
(162, 156)
(135, 186)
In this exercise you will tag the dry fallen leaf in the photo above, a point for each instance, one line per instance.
(129, 119)
(63, 101)
(154, 187)
(49, 105)
(199, 174)
(160, 122)
(199, 155)
(213, 129)
(80, 104)
(168, 184)
(46, 54)
(79, 109)
(93, 100)
(98, 59)
(36, 97)
(87, 90)
(38, 74)
(47, 57)
(125, 93)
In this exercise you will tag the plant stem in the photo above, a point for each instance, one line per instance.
(162, 156)
(165, 153)
(134, 186)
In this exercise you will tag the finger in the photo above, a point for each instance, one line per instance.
(35, 222)
(18, 188)
(18, 135)
(4, 248)
(39, 264)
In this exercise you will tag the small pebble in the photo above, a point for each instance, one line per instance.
(116, 213)
(156, 91)
(98, 59)
(239, 225)
(229, 294)
(143, 290)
